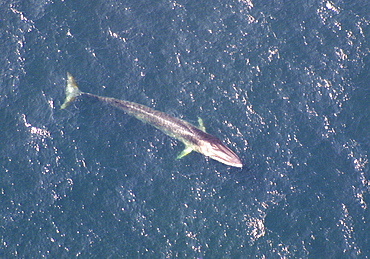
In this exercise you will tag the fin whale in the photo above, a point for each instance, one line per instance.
(194, 138)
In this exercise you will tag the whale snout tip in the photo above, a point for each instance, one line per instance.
(235, 162)
(225, 155)
(238, 164)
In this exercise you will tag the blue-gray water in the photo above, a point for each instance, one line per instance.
(283, 83)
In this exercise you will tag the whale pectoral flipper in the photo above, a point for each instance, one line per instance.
(201, 124)
(185, 152)
(189, 149)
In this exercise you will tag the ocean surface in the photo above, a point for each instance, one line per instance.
(285, 84)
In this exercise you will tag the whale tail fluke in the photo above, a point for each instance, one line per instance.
(72, 91)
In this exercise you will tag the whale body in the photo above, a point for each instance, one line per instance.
(194, 138)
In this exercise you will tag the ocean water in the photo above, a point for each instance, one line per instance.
(284, 84)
